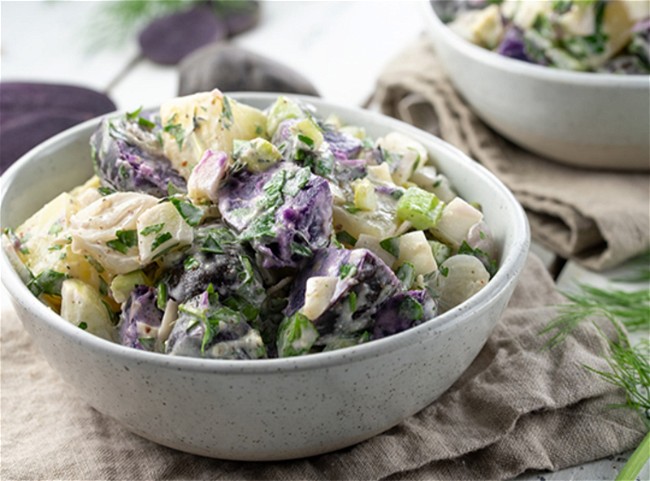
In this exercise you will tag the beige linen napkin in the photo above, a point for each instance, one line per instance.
(598, 218)
(517, 408)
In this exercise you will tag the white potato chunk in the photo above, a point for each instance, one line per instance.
(404, 155)
(579, 20)
(414, 248)
(206, 178)
(365, 197)
(371, 243)
(380, 173)
(160, 228)
(207, 120)
(456, 220)
(460, 277)
(82, 306)
(379, 223)
(94, 230)
(318, 294)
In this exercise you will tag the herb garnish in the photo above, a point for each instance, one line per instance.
(160, 240)
(125, 239)
(347, 270)
(176, 131)
(391, 245)
(47, 282)
(188, 211)
(226, 114)
(152, 229)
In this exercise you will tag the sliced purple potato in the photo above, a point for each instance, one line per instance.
(363, 282)
(22, 133)
(231, 68)
(218, 258)
(167, 40)
(127, 157)
(206, 328)
(285, 213)
(55, 100)
(403, 311)
(140, 319)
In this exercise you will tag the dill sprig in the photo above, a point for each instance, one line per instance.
(117, 20)
(629, 308)
(630, 370)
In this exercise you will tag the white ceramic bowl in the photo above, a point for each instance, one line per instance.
(585, 119)
(278, 408)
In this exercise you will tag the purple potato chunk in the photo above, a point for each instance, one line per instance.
(140, 319)
(22, 98)
(343, 145)
(364, 283)
(217, 258)
(285, 213)
(513, 45)
(206, 328)
(127, 157)
(166, 40)
(403, 311)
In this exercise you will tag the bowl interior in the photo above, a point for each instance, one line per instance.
(64, 162)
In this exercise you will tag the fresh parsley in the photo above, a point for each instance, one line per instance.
(160, 240)
(124, 240)
(188, 211)
(47, 282)
(152, 229)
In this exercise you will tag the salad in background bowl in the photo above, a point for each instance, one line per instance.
(580, 35)
(209, 399)
(543, 94)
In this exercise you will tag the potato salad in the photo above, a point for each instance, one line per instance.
(217, 230)
(580, 35)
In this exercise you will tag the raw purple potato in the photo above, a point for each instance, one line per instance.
(54, 100)
(20, 134)
(285, 213)
(127, 157)
(231, 68)
(168, 39)
(239, 16)
(140, 319)
(206, 328)
(217, 257)
(364, 283)
(513, 45)
(403, 311)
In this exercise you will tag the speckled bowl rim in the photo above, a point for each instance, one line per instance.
(519, 67)
(511, 266)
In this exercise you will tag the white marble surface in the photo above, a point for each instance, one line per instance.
(340, 46)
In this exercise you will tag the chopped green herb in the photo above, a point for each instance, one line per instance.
(296, 335)
(226, 114)
(96, 265)
(176, 131)
(346, 238)
(188, 211)
(152, 229)
(347, 270)
(104, 191)
(47, 282)
(148, 343)
(146, 123)
(160, 240)
(351, 208)
(190, 263)
(55, 228)
(409, 308)
(103, 287)
(352, 301)
(161, 296)
(240, 304)
(125, 239)
(308, 141)
(444, 271)
(391, 245)
(406, 274)
(83, 325)
(134, 115)
(172, 189)
(484, 257)
(55, 247)
(301, 250)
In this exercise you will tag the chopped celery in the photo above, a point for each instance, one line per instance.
(123, 284)
(283, 109)
(420, 208)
